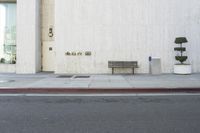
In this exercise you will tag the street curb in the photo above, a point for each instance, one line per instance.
(96, 90)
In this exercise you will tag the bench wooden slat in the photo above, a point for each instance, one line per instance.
(122, 64)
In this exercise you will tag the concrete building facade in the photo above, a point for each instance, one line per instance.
(81, 36)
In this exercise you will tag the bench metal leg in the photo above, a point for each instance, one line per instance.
(133, 71)
(112, 70)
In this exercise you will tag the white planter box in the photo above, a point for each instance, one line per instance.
(183, 69)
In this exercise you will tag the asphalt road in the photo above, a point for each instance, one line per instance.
(153, 114)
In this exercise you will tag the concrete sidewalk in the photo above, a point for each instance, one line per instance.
(50, 81)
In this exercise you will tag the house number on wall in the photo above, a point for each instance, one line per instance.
(86, 53)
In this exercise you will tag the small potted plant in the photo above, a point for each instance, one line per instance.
(181, 67)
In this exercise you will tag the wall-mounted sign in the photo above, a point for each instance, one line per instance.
(86, 53)
(73, 53)
(79, 54)
(68, 53)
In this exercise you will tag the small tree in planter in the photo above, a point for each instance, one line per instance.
(181, 49)
(181, 68)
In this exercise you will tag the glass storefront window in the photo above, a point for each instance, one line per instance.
(8, 33)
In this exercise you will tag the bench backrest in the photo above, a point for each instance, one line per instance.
(123, 64)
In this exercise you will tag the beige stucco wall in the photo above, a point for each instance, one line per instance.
(34, 18)
(124, 30)
(28, 36)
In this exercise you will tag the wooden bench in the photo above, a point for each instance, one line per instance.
(122, 64)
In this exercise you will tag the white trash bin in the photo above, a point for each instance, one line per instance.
(155, 65)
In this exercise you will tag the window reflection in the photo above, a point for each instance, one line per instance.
(8, 33)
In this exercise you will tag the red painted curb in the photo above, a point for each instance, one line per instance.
(96, 90)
